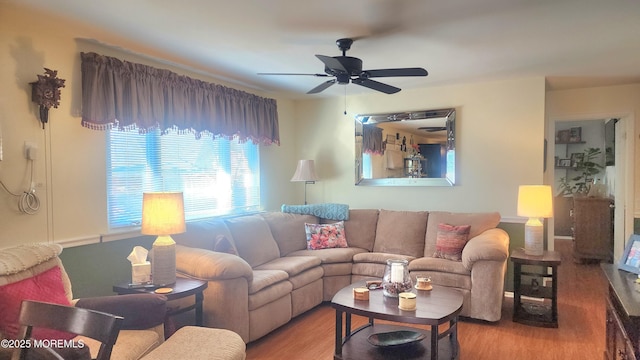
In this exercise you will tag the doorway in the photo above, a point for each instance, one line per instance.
(604, 141)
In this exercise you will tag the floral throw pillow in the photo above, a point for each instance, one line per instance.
(451, 240)
(325, 236)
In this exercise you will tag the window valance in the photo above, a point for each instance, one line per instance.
(122, 94)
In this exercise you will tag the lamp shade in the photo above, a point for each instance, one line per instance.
(306, 171)
(163, 213)
(535, 201)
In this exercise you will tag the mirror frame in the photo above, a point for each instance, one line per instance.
(448, 115)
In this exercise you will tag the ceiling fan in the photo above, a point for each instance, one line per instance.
(347, 69)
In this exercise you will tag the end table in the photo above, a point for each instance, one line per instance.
(531, 313)
(181, 289)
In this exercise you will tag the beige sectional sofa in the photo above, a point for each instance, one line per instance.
(274, 278)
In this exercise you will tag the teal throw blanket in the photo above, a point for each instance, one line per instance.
(325, 211)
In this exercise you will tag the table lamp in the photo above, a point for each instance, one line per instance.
(306, 171)
(163, 215)
(534, 202)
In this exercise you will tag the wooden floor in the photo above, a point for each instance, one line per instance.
(580, 335)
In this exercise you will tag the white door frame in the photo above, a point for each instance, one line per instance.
(625, 170)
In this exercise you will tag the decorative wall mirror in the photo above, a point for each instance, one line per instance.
(414, 148)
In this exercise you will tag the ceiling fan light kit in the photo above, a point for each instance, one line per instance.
(347, 69)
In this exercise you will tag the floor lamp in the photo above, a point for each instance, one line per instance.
(163, 215)
(534, 202)
(306, 171)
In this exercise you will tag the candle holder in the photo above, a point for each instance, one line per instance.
(396, 278)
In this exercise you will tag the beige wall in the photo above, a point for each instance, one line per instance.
(500, 132)
(500, 139)
(70, 169)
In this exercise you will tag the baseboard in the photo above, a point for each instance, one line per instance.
(509, 294)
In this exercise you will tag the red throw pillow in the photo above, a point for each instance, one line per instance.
(451, 240)
(45, 287)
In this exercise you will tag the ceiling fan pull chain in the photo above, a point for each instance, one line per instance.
(345, 100)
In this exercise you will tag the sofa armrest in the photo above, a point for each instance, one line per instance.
(492, 244)
(210, 265)
(140, 311)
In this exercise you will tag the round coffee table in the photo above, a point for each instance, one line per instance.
(434, 308)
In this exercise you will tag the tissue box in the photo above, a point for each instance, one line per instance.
(141, 273)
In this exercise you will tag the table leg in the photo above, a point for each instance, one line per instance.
(554, 295)
(199, 300)
(453, 337)
(434, 342)
(517, 274)
(338, 339)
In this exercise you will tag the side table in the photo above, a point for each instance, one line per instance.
(534, 313)
(181, 289)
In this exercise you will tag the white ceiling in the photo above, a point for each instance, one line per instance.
(574, 43)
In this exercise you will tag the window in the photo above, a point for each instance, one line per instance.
(217, 176)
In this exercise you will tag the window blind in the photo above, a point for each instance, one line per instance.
(217, 176)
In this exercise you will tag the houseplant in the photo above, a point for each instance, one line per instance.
(587, 169)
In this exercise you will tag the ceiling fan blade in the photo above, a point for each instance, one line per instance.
(433, 128)
(396, 72)
(375, 85)
(332, 63)
(321, 87)
(319, 75)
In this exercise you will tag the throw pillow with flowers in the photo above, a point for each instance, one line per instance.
(325, 236)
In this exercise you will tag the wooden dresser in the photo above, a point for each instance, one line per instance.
(623, 314)
(592, 228)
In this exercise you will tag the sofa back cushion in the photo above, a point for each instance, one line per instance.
(400, 232)
(288, 230)
(203, 234)
(360, 229)
(479, 222)
(253, 239)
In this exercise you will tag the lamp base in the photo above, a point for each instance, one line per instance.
(163, 264)
(533, 237)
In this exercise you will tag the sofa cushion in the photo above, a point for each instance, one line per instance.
(337, 269)
(265, 278)
(202, 234)
(401, 232)
(292, 265)
(479, 222)
(253, 239)
(360, 228)
(306, 277)
(288, 230)
(270, 294)
(212, 344)
(373, 264)
(325, 236)
(328, 256)
(450, 241)
(379, 258)
(430, 264)
(131, 344)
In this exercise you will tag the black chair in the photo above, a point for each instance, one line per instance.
(93, 324)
